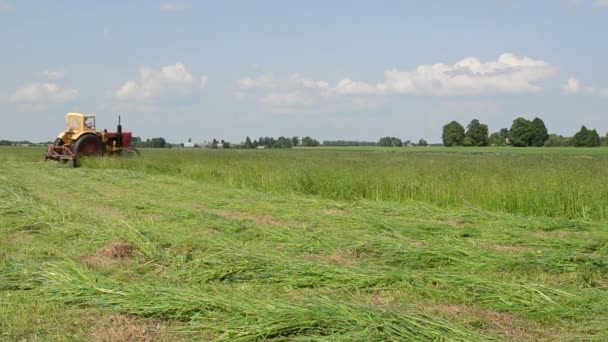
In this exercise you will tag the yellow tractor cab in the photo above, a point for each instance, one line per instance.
(77, 125)
(79, 122)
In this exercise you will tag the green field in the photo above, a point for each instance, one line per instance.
(353, 244)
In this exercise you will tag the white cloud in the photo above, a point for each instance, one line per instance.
(298, 80)
(172, 7)
(348, 86)
(602, 3)
(152, 85)
(43, 93)
(572, 86)
(54, 74)
(264, 81)
(508, 74)
(286, 100)
(470, 76)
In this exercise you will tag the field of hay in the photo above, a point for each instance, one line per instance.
(306, 244)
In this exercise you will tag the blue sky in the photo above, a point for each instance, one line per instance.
(330, 69)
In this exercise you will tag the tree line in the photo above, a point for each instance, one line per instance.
(522, 133)
(396, 142)
(264, 142)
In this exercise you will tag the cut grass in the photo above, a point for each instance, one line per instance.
(208, 261)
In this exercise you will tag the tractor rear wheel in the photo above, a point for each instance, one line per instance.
(88, 145)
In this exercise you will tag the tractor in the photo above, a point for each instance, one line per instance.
(81, 139)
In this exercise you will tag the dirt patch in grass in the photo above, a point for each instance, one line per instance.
(508, 249)
(339, 257)
(19, 237)
(108, 210)
(332, 212)
(264, 220)
(500, 323)
(117, 250)
(381, 298)
(152, 217)
(113, 253)
(561, 234)
(454, 222)
(128, 329)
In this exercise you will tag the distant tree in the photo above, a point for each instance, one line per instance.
(295, 141)
(528, 133)
(189, 139)
(594, 139)
(499, 138)
(555, 140)
(587, 138)
(248, 143)
(453, 134)
(604, 140)
(225, 144)
(581, 137)
(310, 142)
(422, 142)
(158, 143)
(407, 143)
(476, 134)
(282, 142)
(539, 133)
(390, 142)
(214, 144)
(520, 133)
(348, 143)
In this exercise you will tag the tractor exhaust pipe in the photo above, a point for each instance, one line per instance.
(119, 133)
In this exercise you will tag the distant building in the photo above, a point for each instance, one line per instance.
(188, 145)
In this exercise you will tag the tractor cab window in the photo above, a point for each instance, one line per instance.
(90, 123)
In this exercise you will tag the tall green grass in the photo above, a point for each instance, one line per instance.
(564, 185)
(215, 262)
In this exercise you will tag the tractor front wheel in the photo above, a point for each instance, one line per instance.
(129, 152)
(88, 145)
